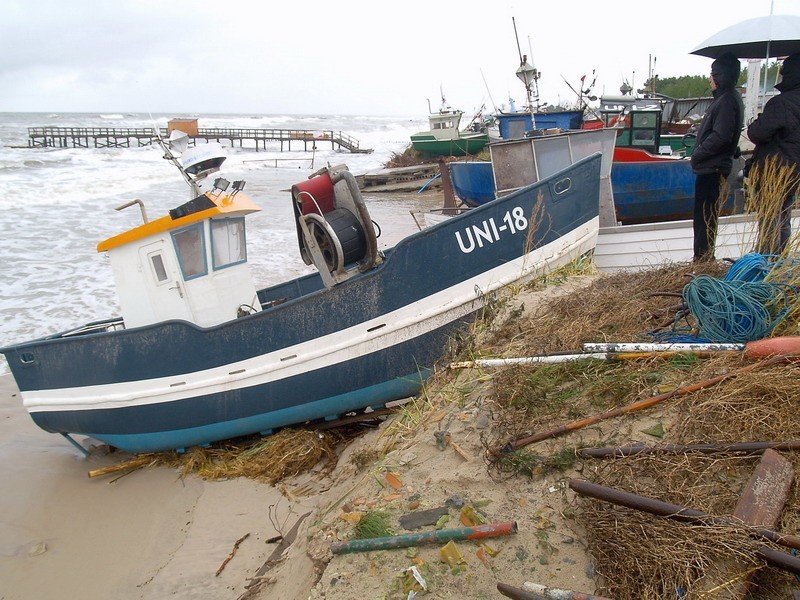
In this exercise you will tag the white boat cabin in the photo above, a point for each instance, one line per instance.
(190, 264)
(444, 124)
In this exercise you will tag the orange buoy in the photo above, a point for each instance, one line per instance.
(786, 345)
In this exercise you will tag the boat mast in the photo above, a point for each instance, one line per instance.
(528, 75)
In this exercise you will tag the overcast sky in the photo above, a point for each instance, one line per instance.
(347, 57)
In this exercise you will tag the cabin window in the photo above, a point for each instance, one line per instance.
(157, 261)
(228, 243)
(190, 247)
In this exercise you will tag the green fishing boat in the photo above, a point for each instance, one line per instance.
(444, 137)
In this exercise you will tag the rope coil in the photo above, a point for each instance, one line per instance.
(735, 310)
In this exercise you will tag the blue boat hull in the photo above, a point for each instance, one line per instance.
(473, 182)
(644, 192)
(312, 352)
(649, 192)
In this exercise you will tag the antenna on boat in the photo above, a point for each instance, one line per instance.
(444, 100)
(519, 50)
(176, 140)
(651, 76)
(583, 95)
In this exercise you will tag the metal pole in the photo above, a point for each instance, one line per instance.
(737, 447)
(654, 347)
(429, 537)
(673, 511)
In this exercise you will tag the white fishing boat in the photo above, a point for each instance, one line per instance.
(637, 247)
(200, 354)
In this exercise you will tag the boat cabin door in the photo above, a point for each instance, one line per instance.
(165, 287)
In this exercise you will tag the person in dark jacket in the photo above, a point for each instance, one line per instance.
(717, 143)
(776, 132)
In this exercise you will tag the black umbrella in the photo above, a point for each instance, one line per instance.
(761, 37)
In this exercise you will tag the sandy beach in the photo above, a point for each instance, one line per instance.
(154, 534)
(150, 534)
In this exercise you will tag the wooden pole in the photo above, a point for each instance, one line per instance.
(761, 505)
(449, 205)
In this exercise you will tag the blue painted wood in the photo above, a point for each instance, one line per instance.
(473, 182)
(567, 119)
(644, 192)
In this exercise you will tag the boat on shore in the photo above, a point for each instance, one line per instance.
(645, 246)
(646, 188)
(200, 354)
(515, 124)
(619, 246)
(651, 178)
(445, 138)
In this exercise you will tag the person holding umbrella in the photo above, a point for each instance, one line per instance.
(715, 148)
(776, 133)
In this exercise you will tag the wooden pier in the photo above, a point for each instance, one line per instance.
(127, 137)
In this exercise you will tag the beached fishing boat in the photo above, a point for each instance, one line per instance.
(200, 354)
(647, 188)
(516, 124)
(444, 138)
(644, 246)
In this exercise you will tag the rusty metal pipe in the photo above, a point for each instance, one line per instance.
(552, 593)
(779, 559)
(737, 447)
(673, 511)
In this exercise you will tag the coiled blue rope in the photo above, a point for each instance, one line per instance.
(735, 311)
(740, 307)
(750, 267)
(677, 337)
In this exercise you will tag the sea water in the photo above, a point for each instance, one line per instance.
(56, 204)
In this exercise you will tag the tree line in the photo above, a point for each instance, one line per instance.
(698, 86)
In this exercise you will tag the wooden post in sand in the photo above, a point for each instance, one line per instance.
(449, 205)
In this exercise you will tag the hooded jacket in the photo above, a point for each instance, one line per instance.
(777, 128)
(718, 136)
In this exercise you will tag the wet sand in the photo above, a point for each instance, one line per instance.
(149, 535)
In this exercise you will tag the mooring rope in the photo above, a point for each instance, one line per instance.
(750, 267)
(740, 307)
(735, 310)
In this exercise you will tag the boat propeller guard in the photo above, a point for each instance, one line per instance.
(334, 229)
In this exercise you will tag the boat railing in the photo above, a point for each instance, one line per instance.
(93, 327)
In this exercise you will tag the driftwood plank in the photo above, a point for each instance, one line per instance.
(765, 494)
(762, 502)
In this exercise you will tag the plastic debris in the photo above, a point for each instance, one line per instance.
(449, 554)
(413, 582)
